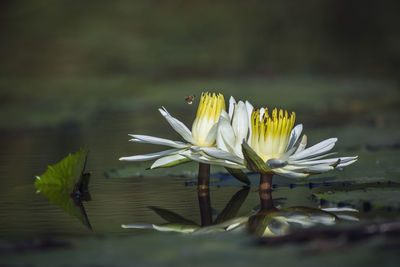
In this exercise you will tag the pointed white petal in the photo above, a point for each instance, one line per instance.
(209, 160)
(313, 158)
(294, 136)
(156, 141)
(339, 209)
(169, 161)
(302, 145)
(225, 137)
(249, 108)
(232, 104)
(316, 150)
(151, 156)
(178, 126)
(220, 154)
(240, 123)
(309, 169)
(290, 174)
(322, 161)
(211, 136)
(341, 165)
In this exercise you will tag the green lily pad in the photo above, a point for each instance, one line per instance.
(64, 184)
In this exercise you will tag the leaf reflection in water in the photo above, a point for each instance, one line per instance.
(65, 184)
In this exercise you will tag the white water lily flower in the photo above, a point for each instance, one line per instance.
(274, 145)
(232, 128)
(203, 134)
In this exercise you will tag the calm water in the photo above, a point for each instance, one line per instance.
(117, 201)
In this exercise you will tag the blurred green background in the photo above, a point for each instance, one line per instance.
(76, 73)
(63, 62)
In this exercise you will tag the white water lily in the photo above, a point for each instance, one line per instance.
(203, 134)
(273, 145)
(232, 128)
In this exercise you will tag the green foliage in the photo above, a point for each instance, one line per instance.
(64, 184)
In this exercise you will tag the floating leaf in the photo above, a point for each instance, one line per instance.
(65, 184)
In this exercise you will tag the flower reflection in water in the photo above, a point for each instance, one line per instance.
(267, 221)
(270, 221)
(226, 220)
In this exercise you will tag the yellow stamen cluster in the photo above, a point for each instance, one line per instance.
(270, 134)
(208, 112)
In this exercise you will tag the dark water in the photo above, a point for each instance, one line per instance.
(369, 186)
(117, 201)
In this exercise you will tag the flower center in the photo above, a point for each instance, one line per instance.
(208, 112)
(270, 134)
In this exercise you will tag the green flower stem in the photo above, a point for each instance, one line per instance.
(203, 181)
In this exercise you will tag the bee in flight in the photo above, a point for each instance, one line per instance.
(190, 99)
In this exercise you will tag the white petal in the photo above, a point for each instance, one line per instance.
(232, 105)
(220, 154)
(302, 145)
(208, 160)
(178, 126)
(313, 158)
(225, 115)
(169, 161)
(294, 136)
(339, 209)
(341, 165)
(240, 123)
(323, 161)
(290, 174)
(225, 135)
(316, 150)
(249, 108)
(151, 156)
(211, 136)
(156, 140)
(309, 169)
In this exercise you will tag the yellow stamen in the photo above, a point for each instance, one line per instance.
(208, 112)
(270, 134)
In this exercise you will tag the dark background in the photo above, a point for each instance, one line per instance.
(63, 63)
(172, 39)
